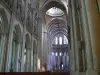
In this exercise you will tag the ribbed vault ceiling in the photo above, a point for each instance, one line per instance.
(56, 26)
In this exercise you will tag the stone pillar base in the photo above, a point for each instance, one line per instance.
(88, 72)
(80, 73)
(93, 72)
(77, 73)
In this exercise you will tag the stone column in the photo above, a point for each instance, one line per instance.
(23, 36)
(86, 34)
(32, 59)
(67, 60)
(35, 62)
(44, 48)
(59, 60)
(49, 61)
(29, 60)
(3, 50)
(74, 49)
(62, 39)
(94, 27)
(9, 47)
(64, 58)
(18, 62)
(9, 51)
(93, 17)
(26, 63)
(22, 54)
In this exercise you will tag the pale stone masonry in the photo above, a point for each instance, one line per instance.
(32, 40)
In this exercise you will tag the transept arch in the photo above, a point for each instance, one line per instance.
(49, 4)
(53, 3)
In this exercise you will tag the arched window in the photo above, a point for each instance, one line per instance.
(56, 54)
(65, 40)
(60, 40)
(56, 40)
(60, 53)
(54, 11)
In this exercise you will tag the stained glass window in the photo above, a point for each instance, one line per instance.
(60, 40)
(65, 40)
(56, 40)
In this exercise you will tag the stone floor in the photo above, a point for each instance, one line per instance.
(35, 73)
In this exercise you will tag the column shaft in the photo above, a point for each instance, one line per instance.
(94, 27)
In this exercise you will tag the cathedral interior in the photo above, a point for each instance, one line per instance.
(50, 35)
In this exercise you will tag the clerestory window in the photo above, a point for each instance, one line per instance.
(54, 11)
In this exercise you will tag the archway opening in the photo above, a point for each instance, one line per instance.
(27, 54)
(14, 64)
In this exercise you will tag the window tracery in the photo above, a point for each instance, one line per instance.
(60, 40)
(35, 24)
(20, 10)
(19, 6)
(10, 3)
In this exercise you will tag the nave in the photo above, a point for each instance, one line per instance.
(50, 37)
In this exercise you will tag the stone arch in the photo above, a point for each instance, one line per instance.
(56, 21)
(4, 26)
(27, 53)
(17, 33)
(53, 3)
(16, 40)
(49, 4)
(59, 33)
(53, 29)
